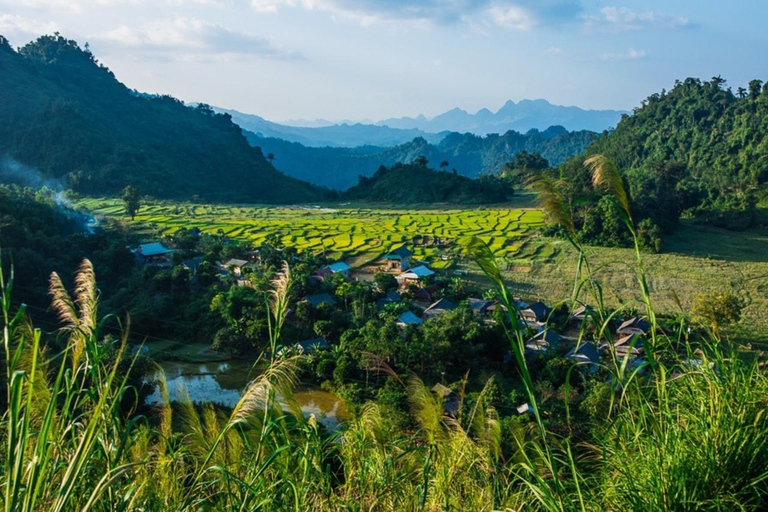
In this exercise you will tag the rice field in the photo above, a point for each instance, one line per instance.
(357, 234)
(696, 259)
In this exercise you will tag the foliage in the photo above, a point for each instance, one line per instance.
(132, 201)
(416, 183)
(717, 310)
(471, 155)
(67, 115)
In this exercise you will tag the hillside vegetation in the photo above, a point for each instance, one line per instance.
(469, 154)
(66, 115)
(698, 150)
(417, 183)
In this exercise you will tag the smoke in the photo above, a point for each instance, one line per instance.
(14, 172)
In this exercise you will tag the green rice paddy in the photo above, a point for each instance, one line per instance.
(356, 234)
(696, 258)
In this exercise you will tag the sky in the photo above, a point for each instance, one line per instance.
(374, 59)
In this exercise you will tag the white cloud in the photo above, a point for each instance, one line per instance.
(624, 19)
(513, 17)
(20, 30)
(188, 38)
(630, 54)
(81, 5)
(514, 14)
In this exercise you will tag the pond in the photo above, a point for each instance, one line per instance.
(222, 383)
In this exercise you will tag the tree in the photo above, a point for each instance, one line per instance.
(271, 157)
(717, 310)
(444, 164)
(421, 161)
(132, 201)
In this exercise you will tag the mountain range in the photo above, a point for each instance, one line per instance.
(520, 117)
(523, 116)
(471, 155)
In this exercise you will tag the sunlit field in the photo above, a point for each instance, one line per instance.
(696, 259)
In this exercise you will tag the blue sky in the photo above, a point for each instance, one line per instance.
(373, 59)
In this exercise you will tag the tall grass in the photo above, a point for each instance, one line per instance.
(690, 434)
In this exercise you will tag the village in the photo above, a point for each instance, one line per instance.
(414, 294)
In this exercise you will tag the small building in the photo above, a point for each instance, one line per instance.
(542, 342)
(451, 401)
(579, 314)
(438, 308)
(525, 408)
(192, 264)
(586, 353)
(235, 265)
(154, 253)
(538, 312)
(391, 297)
(417, 275)
(306, 347)
(320, 298)
(334, 268)
(631, 344)
(479, 306)
(408, 318)
(634, 325)
(398, 259)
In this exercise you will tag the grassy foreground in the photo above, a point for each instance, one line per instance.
(677, 436)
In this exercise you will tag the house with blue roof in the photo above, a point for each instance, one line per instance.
(408, 318)
(154, 252)
(334, 268)
(320, 298)
(398, 259)
(419, 275)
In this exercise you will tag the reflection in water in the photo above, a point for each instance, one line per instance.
(223, 383)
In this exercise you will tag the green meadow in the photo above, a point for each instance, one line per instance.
(695, 259)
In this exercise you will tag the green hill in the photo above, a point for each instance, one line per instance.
(698, 150)
(66, 115)
(469, 154)
(417, 183)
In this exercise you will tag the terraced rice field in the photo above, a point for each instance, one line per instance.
(356, 234)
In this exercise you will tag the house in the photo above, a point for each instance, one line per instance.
(334, 268)
(451, 401)
(438, 308)
(398, 260)
(630, 344)
(312, 345)
(543, 341)
(580, 313)
(306, 347)
(634, 325)
(407, 319)
(391, 297)
(479, 306)
(586, 353)
(525, 408)
(154, 253)
(538, 312)
(417, 275)
(192, 263)
(236, 265)
(320, 298)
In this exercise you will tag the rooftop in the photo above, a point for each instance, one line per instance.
(154, 249)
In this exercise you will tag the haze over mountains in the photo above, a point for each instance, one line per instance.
(520, 117)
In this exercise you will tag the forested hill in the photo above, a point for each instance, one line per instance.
(417, 183)
(712, 139)
(469, 154)
(69, 117)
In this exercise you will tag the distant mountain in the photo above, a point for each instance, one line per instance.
(69, 118)
(522, 116)
(469, 154)
(335, 135)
